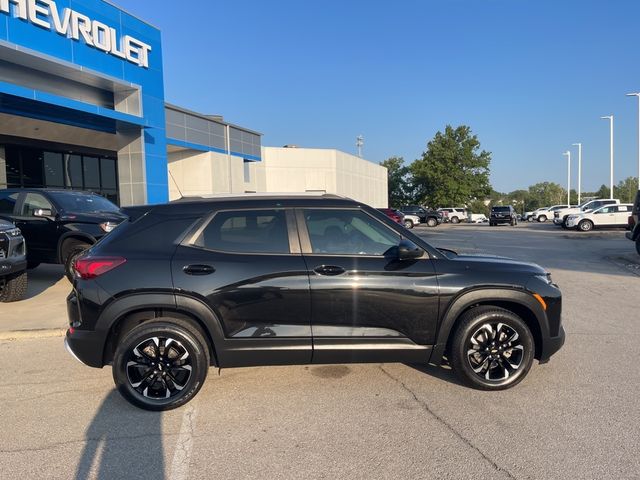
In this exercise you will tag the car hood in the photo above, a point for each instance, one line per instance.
(94, 217)
(4, 225)
(494, 263)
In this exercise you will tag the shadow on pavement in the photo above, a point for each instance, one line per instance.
(441, 372)
(122, 441)
(42, 278)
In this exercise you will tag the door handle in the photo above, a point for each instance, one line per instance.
(198, 269)
(329, 270)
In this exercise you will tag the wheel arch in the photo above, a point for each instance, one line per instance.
(520, 302)
(80, 236)
(131, 311)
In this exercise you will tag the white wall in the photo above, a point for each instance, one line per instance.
(294, 170)
(196, 173)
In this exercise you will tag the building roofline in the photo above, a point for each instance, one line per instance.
(113, 4)
(208, 118)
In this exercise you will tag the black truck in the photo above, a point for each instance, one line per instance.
(58, 224)
(13, 263)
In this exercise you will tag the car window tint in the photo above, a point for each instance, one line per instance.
(33, 202)
(259, 231)
(8, 202)
(348, 232)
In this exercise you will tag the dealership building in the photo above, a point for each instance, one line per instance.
(82, 106)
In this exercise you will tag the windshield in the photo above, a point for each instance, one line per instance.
(79, 202)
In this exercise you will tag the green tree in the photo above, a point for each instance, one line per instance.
(453, 171)
(626, 190)
(545, 194)
(398, 177)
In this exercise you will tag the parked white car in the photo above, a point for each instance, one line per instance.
(453, 215)
(609, 216)
(559, 216)
(546, 213)
(410, 221)
(477, 218)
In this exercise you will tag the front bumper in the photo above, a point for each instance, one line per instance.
(9, 266)
(552, 345)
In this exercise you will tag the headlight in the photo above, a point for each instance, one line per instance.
(14, 232)
(546, 278)
(108, 226)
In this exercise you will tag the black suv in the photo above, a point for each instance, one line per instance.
(500, 214)
(263, 280)
(430, 217)
(58, 224)
(13, 263)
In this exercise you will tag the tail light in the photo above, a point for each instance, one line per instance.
(92, 267)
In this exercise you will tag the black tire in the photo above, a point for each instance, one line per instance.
(167, 374)
(638, 245)
(432, 222)
(455, 220)
(13, 287)
(507, 356)
(32, 265)
(513, 222)
(564, 222)
(585, 225)
(70, 250)
(542, 218)
(530, 219)
(408, 224)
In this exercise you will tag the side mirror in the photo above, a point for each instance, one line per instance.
(42, 212)
(407, 250)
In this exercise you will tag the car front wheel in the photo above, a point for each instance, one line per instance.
(455, 220)
(408, 224)
(491, 349)
(542, 218)
(13, 288)
(72, 249)
(161, 365)
(585, 226)
(432, 222)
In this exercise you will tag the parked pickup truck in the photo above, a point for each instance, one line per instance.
(13, 263)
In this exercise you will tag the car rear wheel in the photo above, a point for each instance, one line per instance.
(455, 220)
(542, 218)
(491, 349)
(72, 249)
(408, 224)
(13, 288)
(432, 222)
(585, 226)
(529, 219)
(161, 365)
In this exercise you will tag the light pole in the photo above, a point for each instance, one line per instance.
(610, 118)
(579, 145)
(637, 95)
(568, 155)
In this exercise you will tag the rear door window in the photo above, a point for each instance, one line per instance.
(256, 231)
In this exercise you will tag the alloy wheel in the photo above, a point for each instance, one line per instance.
(159, 367)
(495, 352)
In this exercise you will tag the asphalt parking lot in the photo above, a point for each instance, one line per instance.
(576, 417)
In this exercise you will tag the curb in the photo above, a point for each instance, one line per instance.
(30, 334)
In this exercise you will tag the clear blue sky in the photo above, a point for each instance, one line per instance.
(529, 76)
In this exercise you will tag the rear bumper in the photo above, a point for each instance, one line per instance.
(500, 220)
(85, 346)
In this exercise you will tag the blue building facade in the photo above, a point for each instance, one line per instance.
(82, 102)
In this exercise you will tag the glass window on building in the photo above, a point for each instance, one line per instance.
(28, 167)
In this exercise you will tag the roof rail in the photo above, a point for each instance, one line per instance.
(264, 194)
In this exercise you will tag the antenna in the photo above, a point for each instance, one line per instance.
(174, 181)
(359, 144)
